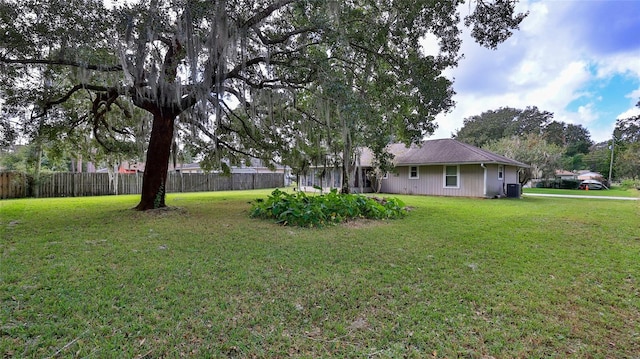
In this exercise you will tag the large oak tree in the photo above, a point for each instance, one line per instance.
(627, 147)
(505, 122)
(226, 76)
(508, 124)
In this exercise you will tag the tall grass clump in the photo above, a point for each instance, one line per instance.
(299, 209)
(630, 184)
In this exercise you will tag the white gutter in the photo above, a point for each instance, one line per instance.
(484, 193)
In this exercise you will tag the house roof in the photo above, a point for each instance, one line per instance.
(565, 173)
(440, 152)
(590, 175)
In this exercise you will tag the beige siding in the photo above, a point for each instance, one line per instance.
(431, 182)
(471, 180)
(495, 186)
(511, 174)
(472, 177)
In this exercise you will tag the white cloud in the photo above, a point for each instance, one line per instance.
(552, 92)
(556, 58)
(635, 94)
(586, 114)
(557, 89)
(538, 15)
(634, 111)
(626, 63)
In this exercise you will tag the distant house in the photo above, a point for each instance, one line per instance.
(444, 167)
(588, 175)
(566, 175)
(124, 167)
(255, 166)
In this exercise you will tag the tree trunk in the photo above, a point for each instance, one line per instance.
(346, 156)
(79, 164)
(346, 169)
(37, 169)
(157, 164)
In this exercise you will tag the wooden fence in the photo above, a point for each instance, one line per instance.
(17, 185)
(13, 185)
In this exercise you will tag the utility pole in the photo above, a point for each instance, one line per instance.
(613, 143)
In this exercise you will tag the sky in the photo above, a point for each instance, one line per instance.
(579, 59)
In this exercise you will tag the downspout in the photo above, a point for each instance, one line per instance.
(484, 186)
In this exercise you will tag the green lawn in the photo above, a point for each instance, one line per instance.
(613, 192)
(530, 278)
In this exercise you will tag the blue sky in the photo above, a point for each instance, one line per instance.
(579, 59)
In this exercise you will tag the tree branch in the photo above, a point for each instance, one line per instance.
(310, 116)
(61, 62)
(49, 104)
(254, 20)
(233, 149)
(283, 37)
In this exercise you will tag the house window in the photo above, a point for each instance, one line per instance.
(500, 172)
(413, 172)
(385, 175)
(451, 174)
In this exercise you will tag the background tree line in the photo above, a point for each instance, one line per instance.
(532, 136)
(627, 148)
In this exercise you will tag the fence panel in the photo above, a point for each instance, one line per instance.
(52, 185)
(16, 185)
(130, 183)
(269, 180)
(221, 183)
(242, 181)
(13, 185)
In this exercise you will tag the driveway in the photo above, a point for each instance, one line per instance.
(579, 196)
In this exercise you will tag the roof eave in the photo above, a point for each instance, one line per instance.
(521, 165)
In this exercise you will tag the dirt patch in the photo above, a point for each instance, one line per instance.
(359, 323)
(362, 223)
(165, 212)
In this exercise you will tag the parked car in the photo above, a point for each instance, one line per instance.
(591, 184)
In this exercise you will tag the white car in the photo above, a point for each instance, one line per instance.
(591, 184)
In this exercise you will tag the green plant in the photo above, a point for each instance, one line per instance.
(568, 184)
(298, 209)
(630, 183)
(157, 201)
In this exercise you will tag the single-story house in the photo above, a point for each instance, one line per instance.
(566, 175)
(448, 167)
(443, 167)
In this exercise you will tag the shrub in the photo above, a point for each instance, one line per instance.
(569, 184)
(298, 209)
(630, 183)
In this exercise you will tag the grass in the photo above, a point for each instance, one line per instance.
(535, 277)
(613, 192)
